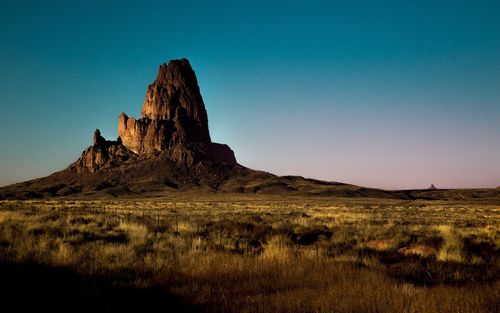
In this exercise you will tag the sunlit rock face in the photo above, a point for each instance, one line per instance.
(173, 112)
(174, 122)
(145, 135)
(102, 153)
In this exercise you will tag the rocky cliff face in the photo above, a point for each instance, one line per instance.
(173, 112)
(174, 122)
(145, 135)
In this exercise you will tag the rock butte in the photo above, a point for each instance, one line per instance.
(174, 121)
(169, 149)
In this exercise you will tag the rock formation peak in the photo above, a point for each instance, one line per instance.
(174, 122)
(173, 112)
(175, 87)
(98, 139)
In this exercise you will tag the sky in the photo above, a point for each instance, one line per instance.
(387, 94)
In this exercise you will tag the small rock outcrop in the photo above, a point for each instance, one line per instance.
(174, 122)
(101, 153)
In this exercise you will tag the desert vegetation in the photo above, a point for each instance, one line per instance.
(261, 254)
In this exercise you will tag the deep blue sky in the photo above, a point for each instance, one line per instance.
(391, 94)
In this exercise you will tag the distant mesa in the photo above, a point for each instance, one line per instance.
(432, 187)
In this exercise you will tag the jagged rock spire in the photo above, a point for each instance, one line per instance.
(173, 112)
(174, 122)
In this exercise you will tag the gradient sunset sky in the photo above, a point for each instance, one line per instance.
(388, 94)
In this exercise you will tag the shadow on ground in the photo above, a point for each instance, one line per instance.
(32, 287)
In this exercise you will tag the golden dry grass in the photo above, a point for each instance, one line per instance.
(270, 254)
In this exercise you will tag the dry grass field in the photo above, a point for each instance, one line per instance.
(250, 254)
